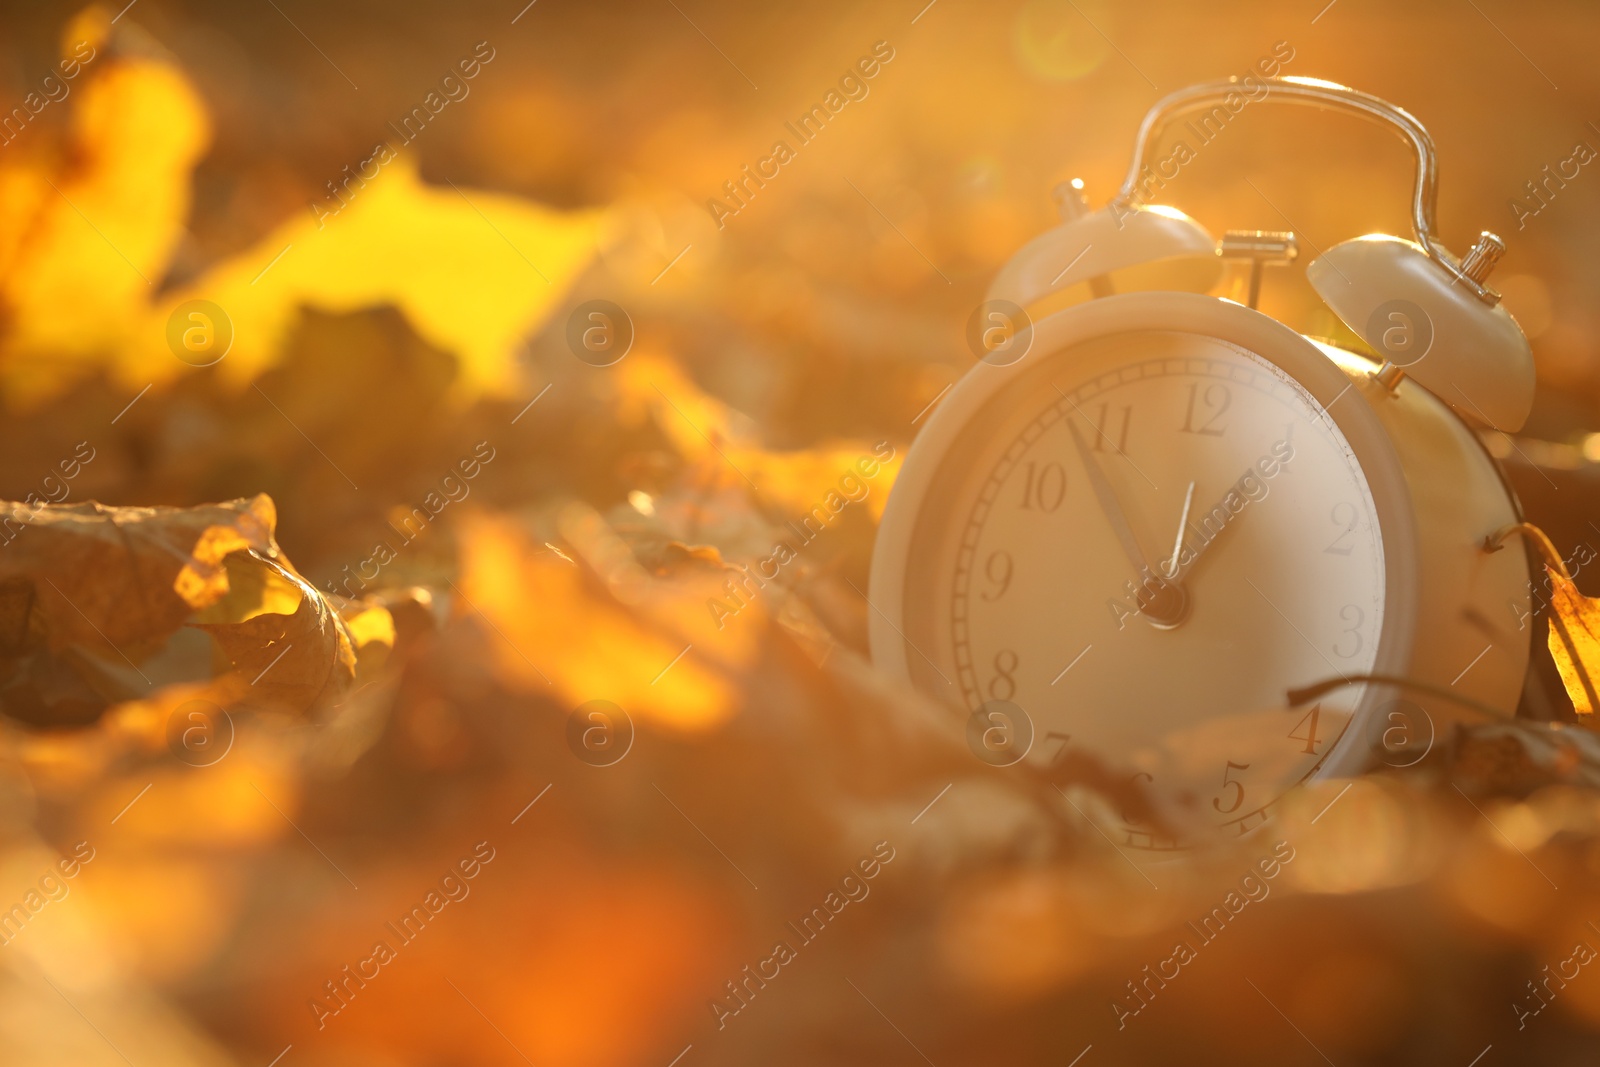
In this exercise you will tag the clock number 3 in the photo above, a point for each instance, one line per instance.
(1238, 789)
(1352, 631)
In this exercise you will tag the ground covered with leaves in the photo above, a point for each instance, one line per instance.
(407, 685)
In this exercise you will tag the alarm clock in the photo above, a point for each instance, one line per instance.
(1142, 518)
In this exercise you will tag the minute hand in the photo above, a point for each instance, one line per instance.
(1111, 506)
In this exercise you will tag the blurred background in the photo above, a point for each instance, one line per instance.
(394, 220)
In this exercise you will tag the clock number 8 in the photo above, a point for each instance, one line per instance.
(1003, 686)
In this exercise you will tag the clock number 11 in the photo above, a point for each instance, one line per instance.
(1107, 434)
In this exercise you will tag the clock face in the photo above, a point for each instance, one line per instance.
(1131, 554)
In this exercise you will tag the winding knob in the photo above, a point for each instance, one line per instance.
(1482, 256)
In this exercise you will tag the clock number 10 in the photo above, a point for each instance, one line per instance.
(1044, 488)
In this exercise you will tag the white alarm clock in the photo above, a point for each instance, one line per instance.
(1141, 520)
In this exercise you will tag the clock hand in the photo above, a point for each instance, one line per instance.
(1208, 538)
(1162, 602)
(1171, 569)
(1110, 505)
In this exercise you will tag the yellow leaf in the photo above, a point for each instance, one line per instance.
(1575, 640)
(720, 442)
(85, 245)
(654, 646)
(473, 273)
(94, 236)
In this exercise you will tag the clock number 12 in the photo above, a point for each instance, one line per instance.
(1208, 407)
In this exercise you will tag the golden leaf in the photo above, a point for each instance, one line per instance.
(86, 244)
(1575, 640)
(654, 646)
(474, 273)
(720, 442)
(93, 236)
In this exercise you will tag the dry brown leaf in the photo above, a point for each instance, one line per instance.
(101, 605)
(289, 659)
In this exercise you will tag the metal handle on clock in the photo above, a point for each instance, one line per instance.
(1316, 93)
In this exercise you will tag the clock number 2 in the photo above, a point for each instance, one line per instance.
(1344, 516)
(1213, 403)
(1238, 788)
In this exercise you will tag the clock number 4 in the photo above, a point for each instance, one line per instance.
(1044, 488)
(1309, 724)
(1205, 409)
(1238, 789)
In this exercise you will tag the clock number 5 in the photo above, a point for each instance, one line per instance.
(1212, 404)
(1238, 788)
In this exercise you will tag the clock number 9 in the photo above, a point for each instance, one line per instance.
(998, 571)
(1003, 686)
(1238, 789)
(1352, 631)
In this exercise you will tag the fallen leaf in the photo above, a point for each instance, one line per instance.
(95, 224)
(101, 605)
(1575, 641)
(288, 659)
(473, 272)
(652, 645)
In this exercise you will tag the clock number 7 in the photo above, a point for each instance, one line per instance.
(1061, 753)
(1238, 788)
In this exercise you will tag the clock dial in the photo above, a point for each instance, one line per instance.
(1146, 542)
